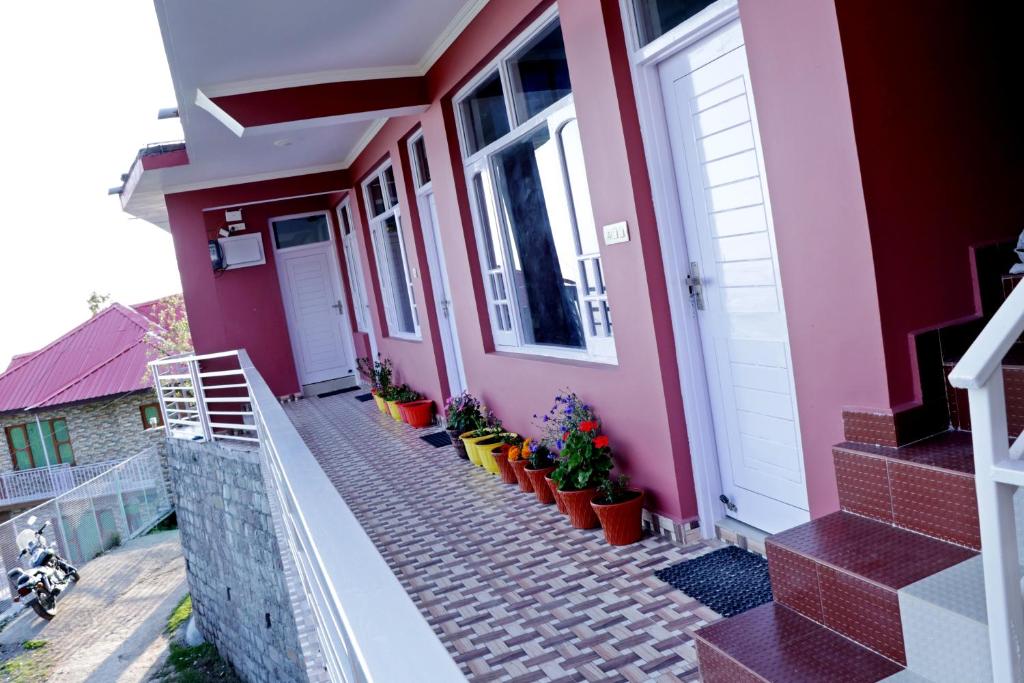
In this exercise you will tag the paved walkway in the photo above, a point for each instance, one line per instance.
(513, 591)
(109, 628)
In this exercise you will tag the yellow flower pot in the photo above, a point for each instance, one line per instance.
(382, 405)
(470, 442)
(483, 453)
(395, 412)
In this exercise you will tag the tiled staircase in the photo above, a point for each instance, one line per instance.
(891, 587)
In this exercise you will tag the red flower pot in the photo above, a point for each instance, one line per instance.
(537, 477)
(622, 522)
(577, 506)
(519, 468)
(505, 471)
(555, 493)
(418, 414)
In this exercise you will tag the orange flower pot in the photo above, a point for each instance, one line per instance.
(505, 471)
(519, 469)
(577, 506)
(622, 522)
(537, 477)
(418, 414)
(556, 494)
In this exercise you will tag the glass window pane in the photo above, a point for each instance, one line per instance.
(531, 186)
(484, 115)
(389, 181)
(490, 254)
(419, 160)
(151, 416)
(396, 273)
(540, 73)
(295, 232)
(346, 222)
(657, 17)
(577, 172)
(376, 197)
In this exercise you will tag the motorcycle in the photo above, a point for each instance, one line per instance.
(48, 574)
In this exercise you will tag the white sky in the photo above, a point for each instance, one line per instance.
(80, 86)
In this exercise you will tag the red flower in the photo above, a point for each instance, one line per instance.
(565, 437)
(588, 426)
(601, 441)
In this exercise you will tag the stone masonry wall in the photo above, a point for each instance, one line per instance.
(233, 560)
(107, 429)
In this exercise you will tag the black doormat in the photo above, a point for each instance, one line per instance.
(364, 397)
(336, 392)
(729, 581)
(438, 439)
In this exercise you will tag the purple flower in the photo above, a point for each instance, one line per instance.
(568, 410)
(559, 444)
(546, 418)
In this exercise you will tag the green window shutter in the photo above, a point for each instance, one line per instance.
(18, 440)
(63, 441)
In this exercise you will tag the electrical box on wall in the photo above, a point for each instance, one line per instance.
(243, 251)
(616, 233)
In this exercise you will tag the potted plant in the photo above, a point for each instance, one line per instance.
(485, 431)
(540, 463)
(392, 395)
(500, 456)
(620, 511)
(584, 458)
(517, 461)
(461, 414)
(379, 374)
(415, 410)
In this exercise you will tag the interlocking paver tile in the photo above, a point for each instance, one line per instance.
(512, 591)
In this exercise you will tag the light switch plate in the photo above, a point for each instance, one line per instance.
(616, 233)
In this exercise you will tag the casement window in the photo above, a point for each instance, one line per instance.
(38, 444)
(151, 415)
(654, 18)
(536, 236)
(393, 271)
(354, 268)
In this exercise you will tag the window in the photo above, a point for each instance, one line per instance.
(300, 231)
(655, 18)
(421, 170)
(536, 232)
(354, 268)
(151, 415)
(389, 247)
(38, 444)
(484, 116)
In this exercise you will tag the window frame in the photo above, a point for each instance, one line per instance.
(384, 276)
(353, 266)
(34, 457)
(481, 162)
(159, 416)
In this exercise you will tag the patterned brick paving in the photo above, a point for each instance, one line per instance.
(512, 590)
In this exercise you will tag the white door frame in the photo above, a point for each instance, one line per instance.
(335, 275)
(346, 205)
(644, 62)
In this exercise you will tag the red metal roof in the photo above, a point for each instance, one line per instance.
(104, 356)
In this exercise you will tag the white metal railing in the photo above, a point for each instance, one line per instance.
(367, 627)
(39, 483)
(998, 472)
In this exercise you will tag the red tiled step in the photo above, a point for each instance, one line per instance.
(843, 571)
(773, 643)
(926, 487)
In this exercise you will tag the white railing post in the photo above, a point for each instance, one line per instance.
(197, 393)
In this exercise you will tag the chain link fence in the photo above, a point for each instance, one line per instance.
(125, 501)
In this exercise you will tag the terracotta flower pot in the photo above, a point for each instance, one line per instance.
(622, 522)
(500, 455)
(577, 506)
(544, 493)
(393, 409)
(556, 494)
(382, 405)
(519, 468)
(460, 448)
(418, 414)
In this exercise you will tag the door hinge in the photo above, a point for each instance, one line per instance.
(444, 307)
(695, 285)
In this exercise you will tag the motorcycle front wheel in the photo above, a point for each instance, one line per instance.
(45, 605)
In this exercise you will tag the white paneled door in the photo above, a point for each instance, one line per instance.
(733, 278)
(314, 304)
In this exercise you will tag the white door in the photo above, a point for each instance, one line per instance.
(313, 297)
(730, 243)
(442, 295)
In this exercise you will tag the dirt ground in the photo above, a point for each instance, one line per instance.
(109, 627)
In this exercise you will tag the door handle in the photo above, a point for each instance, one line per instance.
(695, 285)
(339, 306)
(444, 307)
